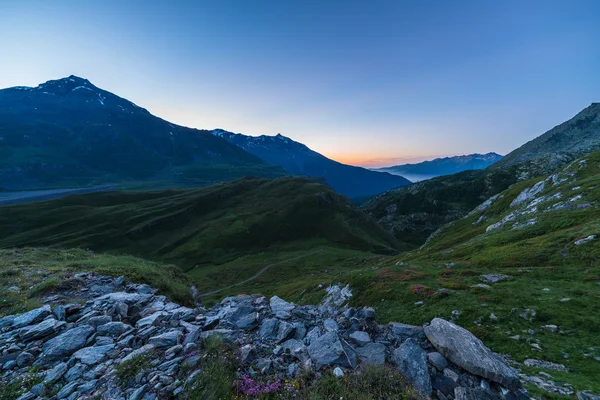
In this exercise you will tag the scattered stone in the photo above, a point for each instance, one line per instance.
(338, 372)
(495, 278)
(585, 240)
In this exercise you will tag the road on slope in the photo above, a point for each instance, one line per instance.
(259, 273)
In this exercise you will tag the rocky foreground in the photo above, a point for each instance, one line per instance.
(77, 349)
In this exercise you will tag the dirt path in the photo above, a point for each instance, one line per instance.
(259, 273)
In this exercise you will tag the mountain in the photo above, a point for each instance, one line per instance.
(561, 144)
(211, 225)
(70, 133)
(415, 212)
(298, 159)
(442, 166)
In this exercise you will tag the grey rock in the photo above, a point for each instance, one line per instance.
(404, 331)
(444, 384)
(45, 328)
(88, 386)
(285, 331)
(281, 308)
(55, 373)
(167, 339)
(24, 359)
(60, 312)
(138, 394)
(328, 350)
(463, 393)
(142, 351)
(268, 328)
(93, 355)
(361, 338)
(437, 360)
(225, 334)
(67, 390)
(99, 320)
(31, 317)
(587, 396)
(330, 325)
(411, 360)
(113, 329)
(495, 278)
(66, 343)
(372, 353)
(247, 354)
(152, 319)
(463, 349)
(338, 372)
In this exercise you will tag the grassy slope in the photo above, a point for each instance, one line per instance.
(40, 272)
(416, 211)
(546, 265)
(207, 226)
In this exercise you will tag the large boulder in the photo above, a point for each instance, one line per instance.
(463, 349)
(281, 308)
(411, 360)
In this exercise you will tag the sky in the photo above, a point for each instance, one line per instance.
(372, 83)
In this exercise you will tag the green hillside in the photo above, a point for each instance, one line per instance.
(212, 225)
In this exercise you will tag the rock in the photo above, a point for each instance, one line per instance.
(168, 339)
(463, 393)
(530, 362)
(437, 360)
(31, 317)
(495, 278)
(587, 396)
(585, 240)
(327, 350)
(45, 328)
(281, 308)
(113, 329)
(138, 394)
(444, 384)
(338, 372)
(404, 331)
(99, 320)
(152, 319)
(67, 390)
(372, 353)
(24, 359)
(286, 330)
(481, 286)
(551, 328)
(66, 344)
(142, 351)
(361, 338)
(463, 349)
(411, 360)
(92, 355)
(247, 354)
(55, 373)
(330, 325)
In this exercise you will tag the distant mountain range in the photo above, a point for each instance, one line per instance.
(442, 166)
(70, 133)
(297, 159)
(416, 212)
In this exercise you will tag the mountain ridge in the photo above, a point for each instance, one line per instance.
(297, 158)
(444, 165)
(70, 133)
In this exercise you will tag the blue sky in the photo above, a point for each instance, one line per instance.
(369, 83)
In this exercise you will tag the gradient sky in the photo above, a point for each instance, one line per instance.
(363, 82)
